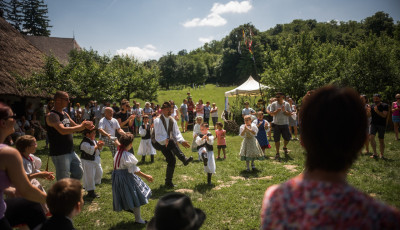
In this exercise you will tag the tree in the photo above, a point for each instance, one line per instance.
(35, 20)
(379, 22)
(168, 67)
(14, 15)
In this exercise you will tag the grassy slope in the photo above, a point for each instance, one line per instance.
(234, 201)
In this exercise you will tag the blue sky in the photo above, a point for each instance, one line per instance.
(148, 29)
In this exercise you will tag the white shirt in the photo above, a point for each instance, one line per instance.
(127, 161)
(161, 134)
(200, 141)
(109, 126)
(253, 128)
(89, 149)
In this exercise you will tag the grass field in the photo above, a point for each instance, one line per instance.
(234, 201)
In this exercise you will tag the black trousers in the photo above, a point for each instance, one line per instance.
(22, 211)
(171, 152)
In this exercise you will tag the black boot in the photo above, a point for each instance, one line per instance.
(179, 154)
(209, 178)
(152, 158)
(205, 159)
(143, 159)
(168, 177)
(92, 194)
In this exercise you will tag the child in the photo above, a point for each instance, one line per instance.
(90, 156)
(205, 141)
(220, 134)
(27, 145)
(65, 200)
(145, 147)
(129, 191)
(196, 131)
(250, 150)
(263, 128)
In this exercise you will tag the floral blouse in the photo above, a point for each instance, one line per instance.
(309, 204)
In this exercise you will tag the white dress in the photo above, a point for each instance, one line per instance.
(250, 148)
(210, 168)
(145, 146)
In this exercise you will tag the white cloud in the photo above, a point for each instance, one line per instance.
(215, 19)
(231, 7)
(142, 54)
(206, 40)
(210, 20)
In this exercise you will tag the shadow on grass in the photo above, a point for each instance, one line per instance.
(286, 158)
(203, 188)
(161, 191)
(128, 225)
(250, 174)
(106, 180)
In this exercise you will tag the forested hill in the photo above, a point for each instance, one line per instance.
(296, 57)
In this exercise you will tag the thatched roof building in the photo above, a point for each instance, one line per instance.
(58, 47)
(17, 57)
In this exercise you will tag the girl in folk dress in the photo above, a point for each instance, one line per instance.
(145, 146)
(205, 141)
(27, 145)
(129, 191)
(250, 150)
(263, 128)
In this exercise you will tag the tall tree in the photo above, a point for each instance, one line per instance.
(35, 21)
(14, 15)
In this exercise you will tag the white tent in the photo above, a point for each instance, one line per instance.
(250, 87)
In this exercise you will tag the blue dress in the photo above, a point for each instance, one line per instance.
(129, 191)
(262, 134)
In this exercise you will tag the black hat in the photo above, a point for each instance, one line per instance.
(176, 211)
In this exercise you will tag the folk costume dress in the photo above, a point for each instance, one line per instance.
(129, 191)
(262, 134)
(208, 146)
(32, 165)
(250, 148)
(145, 146)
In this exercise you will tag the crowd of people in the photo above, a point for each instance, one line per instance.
(321, 191)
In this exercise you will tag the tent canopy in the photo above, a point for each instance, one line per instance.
(250, 87)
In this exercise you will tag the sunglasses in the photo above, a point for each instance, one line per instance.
(14, 116)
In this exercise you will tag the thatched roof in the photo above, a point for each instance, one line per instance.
(17, 57)
(59, 47)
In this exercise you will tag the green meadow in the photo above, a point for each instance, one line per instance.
(234, 200)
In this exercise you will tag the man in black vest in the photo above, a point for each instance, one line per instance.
(60, 128)
(167, 137)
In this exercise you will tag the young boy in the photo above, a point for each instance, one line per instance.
(145, 146)
(90, 156)
(205, 141)
(65, 201)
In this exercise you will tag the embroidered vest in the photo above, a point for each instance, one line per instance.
(85, 155)
(208, 147)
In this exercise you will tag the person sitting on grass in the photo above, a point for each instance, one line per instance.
(320, 197)
(65, 201)
(205, 141)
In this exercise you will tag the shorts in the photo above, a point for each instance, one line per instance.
(373, 129)
(284, 130)
(184, 118)
(138, 122)
(292, 122)
(396, 119)
(221, 146)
